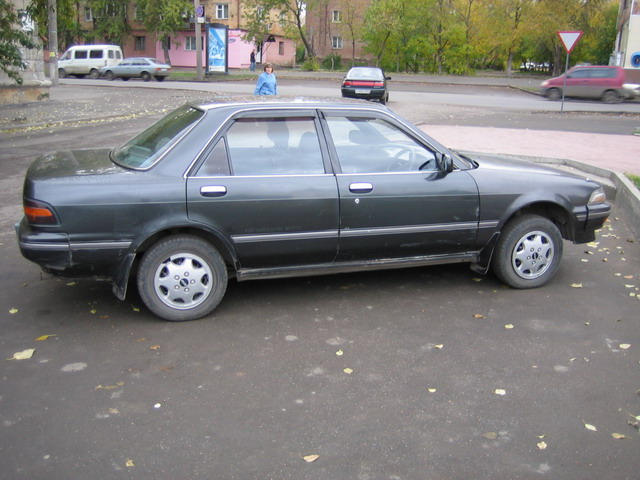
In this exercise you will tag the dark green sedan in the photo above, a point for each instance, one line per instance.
(270, 187)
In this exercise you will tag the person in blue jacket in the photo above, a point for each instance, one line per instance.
(267, 82)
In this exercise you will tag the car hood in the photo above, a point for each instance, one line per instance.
(73, 163)
(515, 165)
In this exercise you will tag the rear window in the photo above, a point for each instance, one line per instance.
(603, 73)
(95, 54)
(146, 148)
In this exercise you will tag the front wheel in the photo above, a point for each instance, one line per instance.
(528, 253)
(182, 278)
(146, 76)
(554, 94)
(109, 75)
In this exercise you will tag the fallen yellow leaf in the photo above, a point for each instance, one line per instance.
(590, 427)
(542, 445)
(625, 346)
(490, 435)
(500, 391)
(310, 458)
(339, 353)
(439, 347)
(13, 310)
(618, 436)
(478, 315)
(45, 337)
(508, 326)
(23, 355)
(348, 371)
(431, 390)
(154, 347)
(129, 463)
(576, 285)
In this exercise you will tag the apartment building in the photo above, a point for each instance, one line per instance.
(232, 14)
(334, 27)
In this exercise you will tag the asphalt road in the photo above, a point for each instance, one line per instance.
(427, 373)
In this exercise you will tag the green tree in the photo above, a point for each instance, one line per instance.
(291, 14)
(12, 38)
(67, 11)
(109, 21)
(164, 18)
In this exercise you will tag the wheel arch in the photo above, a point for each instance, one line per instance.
(128, 268)
(556, 213)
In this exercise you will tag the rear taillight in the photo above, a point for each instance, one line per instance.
(346, 83)
(39, 213)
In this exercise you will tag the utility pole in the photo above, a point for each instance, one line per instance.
(199, 73)
(53, 42)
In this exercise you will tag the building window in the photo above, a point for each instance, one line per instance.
(191, 43)
(280, 48)
(140, 44)
(138, 14)
(336, 42)
(88, 14)
(222, 11)
(283, 19)
(336, 16)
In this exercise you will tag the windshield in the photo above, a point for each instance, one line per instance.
(145, 149)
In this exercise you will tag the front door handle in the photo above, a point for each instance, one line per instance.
(213, 191)
(361, 187)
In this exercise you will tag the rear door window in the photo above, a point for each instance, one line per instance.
(95, 54)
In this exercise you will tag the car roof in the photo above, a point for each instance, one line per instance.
(284, 102)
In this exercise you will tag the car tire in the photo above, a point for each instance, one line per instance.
(554, 94)
(125, 79)
(95, 74)
(160, 79)
(109, 75)
(145, 76)
(528, 252)
(62, 73)
(611, 96)
(384, 100)
(182, 278)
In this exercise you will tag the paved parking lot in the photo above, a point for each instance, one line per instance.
(427, 373)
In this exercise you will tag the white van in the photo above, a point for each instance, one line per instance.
(84, 60)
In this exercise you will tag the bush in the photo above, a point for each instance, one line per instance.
(310, 65)
(332, 62)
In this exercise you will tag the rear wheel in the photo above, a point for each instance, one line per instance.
(94, 74)
(611, 96)
(182, 278)
(62, 73)
(160, 79)
(528, 253)
(145, 76)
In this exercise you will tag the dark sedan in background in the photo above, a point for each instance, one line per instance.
(369, 83)
(268, 187)
(137, 67)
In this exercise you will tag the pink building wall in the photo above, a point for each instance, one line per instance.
(239, 50)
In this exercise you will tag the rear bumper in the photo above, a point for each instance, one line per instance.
(59, 256)
(367, 93)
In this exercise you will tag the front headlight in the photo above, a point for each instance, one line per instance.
(597, 196)
(545, 83)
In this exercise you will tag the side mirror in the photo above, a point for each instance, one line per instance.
(445, 162)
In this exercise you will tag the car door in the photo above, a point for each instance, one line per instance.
(578, 83)
(265, 184)
(394, 201)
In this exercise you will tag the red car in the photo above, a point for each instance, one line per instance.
(589, 81)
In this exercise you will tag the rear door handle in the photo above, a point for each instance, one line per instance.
(361, 187)
(213, 191)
